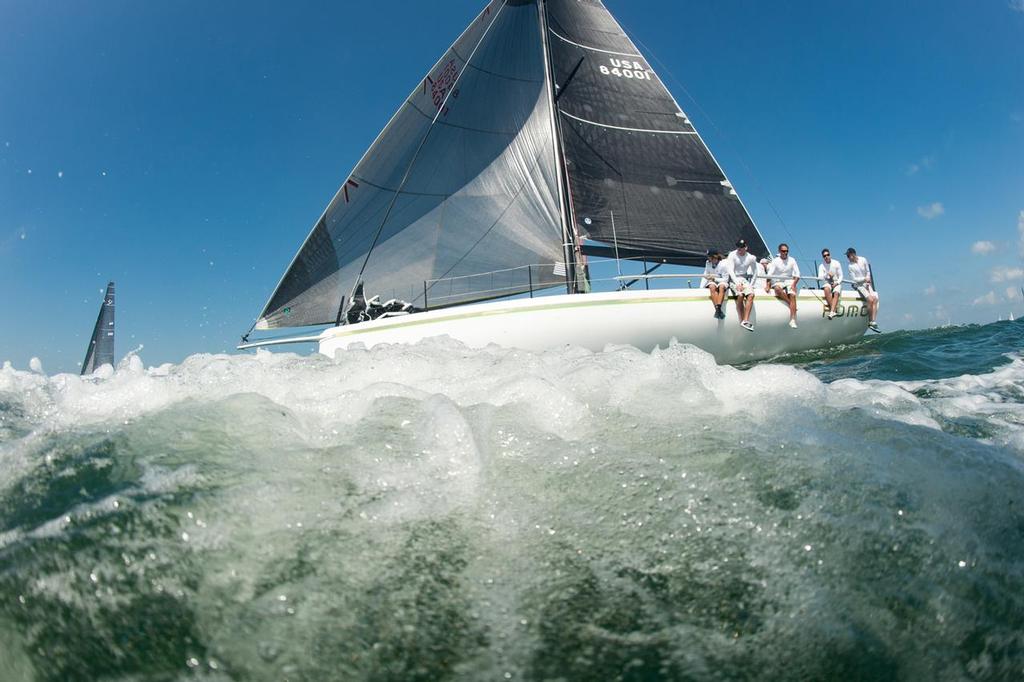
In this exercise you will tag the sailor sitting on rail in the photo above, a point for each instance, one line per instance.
(716, 280)
(860, 273)
(830, 275)
(784, 275)
(742, 273)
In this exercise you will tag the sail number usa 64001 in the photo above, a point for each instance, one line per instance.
(626, 68)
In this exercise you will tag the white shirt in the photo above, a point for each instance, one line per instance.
(830, 273)
(860, 270)
(715, 273)
(742, 267)
(783, 269)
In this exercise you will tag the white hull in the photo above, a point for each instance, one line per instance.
(644, 319)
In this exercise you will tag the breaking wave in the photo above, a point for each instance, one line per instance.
(435, 512)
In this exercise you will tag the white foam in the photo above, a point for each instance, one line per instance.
(559, 392)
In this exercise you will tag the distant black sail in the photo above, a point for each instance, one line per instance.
(632, 156)
(101, 345)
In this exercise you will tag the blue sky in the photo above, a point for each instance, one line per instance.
(185, 148)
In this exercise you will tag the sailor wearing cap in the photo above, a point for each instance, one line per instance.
(860, 273)
(716, 280)
(742, 273)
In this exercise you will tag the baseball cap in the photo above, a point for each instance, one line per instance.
(741, 244)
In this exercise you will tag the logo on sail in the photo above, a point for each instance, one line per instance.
(444, 82)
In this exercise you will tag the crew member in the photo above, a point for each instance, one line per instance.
(716, 280)
(830, 275)
(860, 274)
(742, 273)
(784, 274)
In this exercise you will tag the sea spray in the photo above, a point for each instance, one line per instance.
(434, 512)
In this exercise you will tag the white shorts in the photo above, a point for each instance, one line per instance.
(742, 287)
(787, 287)
(836, 288)
(712, 285)
(866, 292)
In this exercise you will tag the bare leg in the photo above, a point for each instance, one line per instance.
(792, 306)
(831, 298)
(748, 305)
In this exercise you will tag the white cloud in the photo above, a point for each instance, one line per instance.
(1012, 293)
(932, 210)
(1005, 273)
(930, 291)
(1017, 5)
(983, 248)
(987, 299)
(925, 163)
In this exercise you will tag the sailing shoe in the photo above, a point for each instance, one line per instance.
(873, 325)
(792, 324)
(831, 314)
(719, 315)
(746, 325)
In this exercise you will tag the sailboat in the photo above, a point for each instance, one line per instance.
(101, 345)
(540, 144)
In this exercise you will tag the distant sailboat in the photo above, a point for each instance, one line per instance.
(101, 345)
(540, 138)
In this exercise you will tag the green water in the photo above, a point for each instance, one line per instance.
(438, 513)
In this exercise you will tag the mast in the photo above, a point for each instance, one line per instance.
(569, 244)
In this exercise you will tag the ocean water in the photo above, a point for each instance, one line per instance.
(439, 513)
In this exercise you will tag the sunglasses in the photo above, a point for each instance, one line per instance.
(783, 250)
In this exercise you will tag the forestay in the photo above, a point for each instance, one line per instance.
(461, 181)
(631, 154)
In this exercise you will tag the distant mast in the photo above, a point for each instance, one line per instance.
(101, 345)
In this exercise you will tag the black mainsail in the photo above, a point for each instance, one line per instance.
(540, 130)
(101, 345)
(641, 177)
